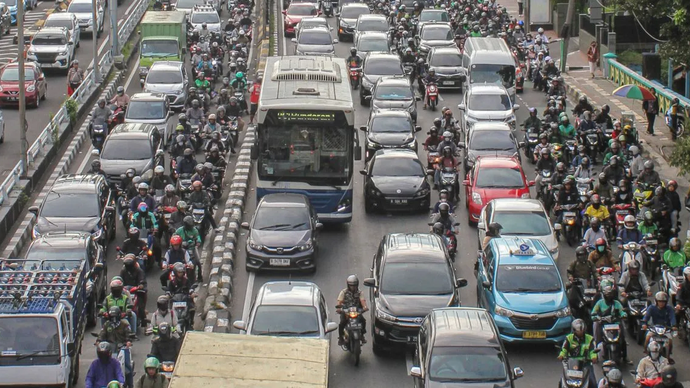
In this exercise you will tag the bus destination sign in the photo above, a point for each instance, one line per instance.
(296, 116)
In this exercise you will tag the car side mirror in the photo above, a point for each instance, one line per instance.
(369, 282)
(531, 183)
(518, 372)
(109, 209)
(240, 325)
(33, 209)
(335, 41)
(486, 284)
(461, 146)
(418, 98)
(461, 282)
(293, 40)
(318, 226)
(416, 371)
(466, 182)
(331, 326)
(171, 112)
(481, 225)
(364, 172)
(70, 43)
(284, 12)
(521, 144)
(461, 106)
(430, 172)
(368, 98)
(417, 128)
(363, 128)
(516, 106)
(557, 227)
(245, 225)
(95, 152)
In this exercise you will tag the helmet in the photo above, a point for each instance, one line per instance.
(686, 271)
(543, 136)
(162, 302)
(353, 51)
(674, 244)
(181, 205)
(120, 90)
(608, 365)
(608, 290)
(133, 233)
(101, 102)
(179, 269)
(175, 240)
(195, 103)
(130, 173)
(188, 221)
(544, 152)
(447, 135)
(103, 348)
(560, 166)
(239, 75)
(129, 260)
(634, 264)
(605, 108)
(136, 180)
(597, 200)
(114, 312)
(197, 184)
(208, 165)
(629, 222)
(583, 99)
(188, 152)
(578, 325)
(654, 348)
(649, 165)
(661, 297)
(595, 222)
(540, 30)
(601, 241)
(672, 183)
(198, 168)
(159, 169)
(444, 208)
(581, 252)
(116, 284)
(438, 228)
(659, 191)
(143, 207)
(585, 161)
(614, 376)
(152, 362)
(212, 116)
(669, 375)
(353, 280)
(568, 180)
(634, 150)
(96, 164)
(143, 186)
(169, 189)
(581, 149)
(164, 329)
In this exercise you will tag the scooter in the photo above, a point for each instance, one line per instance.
(575, 374)
(670, 282)
(199, 216)
(621, 210)
(432, 157)
(570, 216)
(327, 8)
(652, 255)
(167, 368)
(432, 95)
(98, 131)
(449, 181)
(681, 121)
(354, 77)
(611, 340)
(135, 293)
(352, 335)
(659, 334)
(631, 251)
(637, 308)
(531, 141)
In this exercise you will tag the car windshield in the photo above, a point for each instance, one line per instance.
(188, 4)
(523, 223)
(315, 38)
(45, 39)
(491, 141)
(79, 8)
(393, 93)
(160, 48)
(77, 205)
(146, 110)
(437, 34)
(499, 178)
(490, 102)
(446, 60)
(439, 16)
(55, 22)
(397, 167)
(124, 149)
(23, 336)
(382, 67)
(466, 363)
(12, 74)
(391, 124)
(281, 218)
(416, 279)
(372, 25)
(286, 321)
(527, 278)
(301, 10)
(58, 257)
(164, 77)
(353, 12)
(373, 44)
(500, 74)
(205, 17)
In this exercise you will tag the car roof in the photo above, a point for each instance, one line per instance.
(354, 5)
(147, 97)
(285, 200)
(16, 64)
(132, 131)
(414, 247)
(390, 113)
(61, 15)
(487, 89)
(371, 16)
(59, 240)
(396, 153)
(517, 205)
(380, 56)
(393, 81)
(463, 326)
(432, 24)
(498, 162)
(318, 30)
(445, 50)
(314, 20)
(167, 65)
(302, 3)
(516, 250)
(490, 126)
(51, 30)
(373, 35)
(296, 293)
(77, 183)
(434, 10)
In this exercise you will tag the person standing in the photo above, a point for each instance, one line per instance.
(651, 110)
(593, 57)
(75, 76)
(255, 93)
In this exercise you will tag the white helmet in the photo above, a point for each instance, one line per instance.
(629, 222)
(447, 135)
(540, 30)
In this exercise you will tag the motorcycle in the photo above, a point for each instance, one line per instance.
(611, 339)
(591, 138)
(575, 374)
(631, 251)
(118, 115)
(135, 293)
(354, 77)
(531, 141)
(124, 357)
(681, 121)
(449, 180)
(621, 210)
(643, 196)
(167, 368)
(327, 8)
(652, 255)
(184, 186)
(183, 311)
(433, 157)
(233, 129)
(432, 95)
(670, 282)
(352, 335)
(637, 308)
(570, 217)
(586, 293)
(583, 186)
(660, 334)
(98, 130)
(570, 149)
(199, 216)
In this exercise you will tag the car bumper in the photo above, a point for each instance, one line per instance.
(510, 333)
(289, 29)
(393, 335)
(346, 31)
(59, 63)
(177, 100)
(399, 204)
(474, 210)
(86, 28)
(261, 261)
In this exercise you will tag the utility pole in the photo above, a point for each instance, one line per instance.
(24, 144)
(565, 34)
(94, 40)
(526, 17)
(114, 42)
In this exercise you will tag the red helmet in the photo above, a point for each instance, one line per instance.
(600, 242)
(176, 240)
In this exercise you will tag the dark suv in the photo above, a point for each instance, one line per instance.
(77, 203)
(460, 347)
(389, 129)
(376, 66)
(411, 275)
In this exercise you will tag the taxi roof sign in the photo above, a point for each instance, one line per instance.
(523, 250)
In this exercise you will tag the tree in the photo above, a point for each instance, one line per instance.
(675, 27)
(680, 157)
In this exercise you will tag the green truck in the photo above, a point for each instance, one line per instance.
(163, 38)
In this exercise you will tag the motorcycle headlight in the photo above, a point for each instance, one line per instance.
(255, 246)
(305, 247)
(564, 312)
(476, 198)
(384, 316)
(503, 311)
(573, 383)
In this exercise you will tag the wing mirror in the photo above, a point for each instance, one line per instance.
(417, 128)
(518, 372)
(240, 325)
(293, 40)
(461, 282)
(461, 106)
(516, 106)
(466, 182)
(369, 282)
(363, 128)
(416, 371)
(331, 326)
(531, 183)
(318, 226)
(481, 225)
(34, 210)
(109, 209)
(364, 172)
(486, 285)
(245, 225)
(160, 153)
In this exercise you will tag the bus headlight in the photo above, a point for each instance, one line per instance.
(344, 204)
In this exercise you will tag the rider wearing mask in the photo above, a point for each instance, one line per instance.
(683, 293)
(660, 313)
(581, 267)
(408, 56)
(96, 169)
(434, 139)
(543, 145)
(651, 366)
(649, 176)
(187, 163)
(145, 219)
(669, 375)
(629, 233)
(179, 284)
(133, 244)
(199, 195)
(104, 368)
(616, 151)
(102, 111)
(215, 141)
(602, 256)
(661, 206)
(647, 226)
(448, 142)
(195, 114)
(580, 345)
(215, 158)
(624, 194)
(211, 125)
(636, 163)
(593, 234)
(609, 306)
(597, 210)
(556, 88)
(351, 296)
(165, 347)
(143, 197)
(234, 109)
(202, 176)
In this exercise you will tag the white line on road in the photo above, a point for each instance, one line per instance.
(248, 297)
(87, 159)
(135, 71)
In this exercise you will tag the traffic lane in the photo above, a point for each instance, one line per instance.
(37, 119)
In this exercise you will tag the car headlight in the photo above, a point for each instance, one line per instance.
(384, 316)
(97, 234)
(554, 250)
(410, 108)
(305, 247)
(411, 143)
(35, 232)
(422, 192)
(371, 144)
(30, 88)
(476, 198)
(503, 311)
(255, 246)
(511, 120)
(375, 192)
(526, 195)
(564, 312)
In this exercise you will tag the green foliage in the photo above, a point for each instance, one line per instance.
(72, 107)
(681, 155)
(54, 131)
(127, 49)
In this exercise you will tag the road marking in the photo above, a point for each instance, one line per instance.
(135, 71)
(87, 159)
(248, 298)
(408, 362)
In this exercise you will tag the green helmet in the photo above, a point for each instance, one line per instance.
(152, 362)
(239, 75)
(560, 116)
(114, 384)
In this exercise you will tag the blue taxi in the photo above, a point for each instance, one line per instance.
(519, 284)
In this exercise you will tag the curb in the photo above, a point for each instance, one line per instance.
(217, 304)
(23, 234)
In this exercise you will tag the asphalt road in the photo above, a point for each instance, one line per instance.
(37, 119)
(349, 249)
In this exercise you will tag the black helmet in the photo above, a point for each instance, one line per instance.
(133, 233)
(649, 165)
(162, 302)
(188, 221)
(114, 313)
(353, 51)
(583, 99)
(444, 208)
(495, 228)
(669, 375)
(103, 350)
(96, 164)
(129, 260)
(353, 280)
(605, 108)
(581, 252)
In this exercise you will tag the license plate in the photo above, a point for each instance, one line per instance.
(12, 98)
(411, 338)
(611, 327)
(590, 291)
(355, 326)
(575, 374)
(533, 334)
(622, 212)
(568, 214)
(179, 305)
(280, 262)
(448, 82)
(399, 201)
(652, 242)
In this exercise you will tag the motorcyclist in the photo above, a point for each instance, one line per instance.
(170, 199)
(143, 197)
(182, 120)
(546, 162)
(239, 83)
(674, 198)
(445, 217)
(202, 176)
(152, 378)
(234, 109)
(144, 218)
(447, 161)
(593, 234)
(134, 276)
(166, 347)
(408, 56)
(669, 375)
(195, 114)
(176, 254)
(121, 99)
(584, 170)
(580, 345)
(543, 145)
(674, 257)
(614, 171)
(567, 195)
(648, 175)
(201, 83)
(532, 123)
(493, 231)
(434, 139)
(624, 194)
(102, 112)
(581, 267)
(661, 208)
(660, 313)
(200, 196)
(121, 299)
(133, 244)
(647, 226)
(582, 106)
(556, 88)
(615, 150)
(190, 234)
(116, 330)
(187, 163)
(612, 379)
(160, 180)
(162, 314)
(633, 280)
(566, 129)
(447, 141)
(629, 233)
(179, 284)
(215, 141)
(177, 217)
(353, 61)
(651, 366)
(214, 157)
(104, 368)
(597, 210)
(351, 296)
(603, 118)
(636, 163)
(211, 125)
(443, 197)
(96, 169)
(609, 306)
(430, 78)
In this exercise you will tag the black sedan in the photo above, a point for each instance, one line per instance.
(395, 179)
(283, 234)
(388, 128)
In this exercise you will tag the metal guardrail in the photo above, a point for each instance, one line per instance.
(61, 119)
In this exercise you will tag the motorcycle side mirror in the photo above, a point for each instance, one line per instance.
(460, 282)
(417, 128)
(123, 176)
(416, 371)
(95, 152)
(531, 183)
(363, 128)
(240, 325)
(368, 98)
(363, 172)
(245, 225)
(318, 226)
(557, 227)
(335, 41)
(293, 40)
(461, 106)
(370, 282)
(33, 209)
(466, 182)
(430, 172)
(331, 326)
(284, 12)
(518, 372)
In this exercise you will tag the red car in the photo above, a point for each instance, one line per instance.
(35, 81)
(295, 13)
(492, 178)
